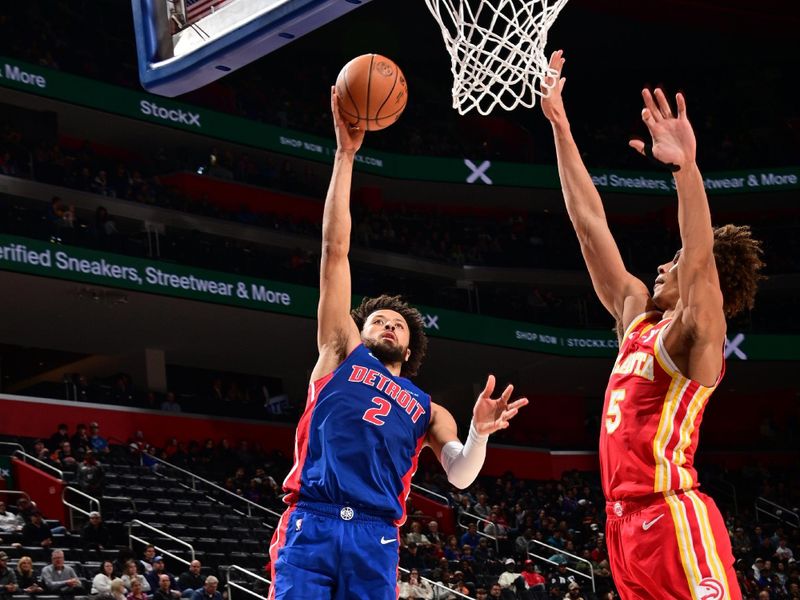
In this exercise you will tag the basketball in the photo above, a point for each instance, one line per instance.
(372, 92)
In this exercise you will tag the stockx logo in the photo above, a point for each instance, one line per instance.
(732, 347)
(430, 321)
(176, 115)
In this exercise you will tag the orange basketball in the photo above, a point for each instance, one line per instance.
(372, 92)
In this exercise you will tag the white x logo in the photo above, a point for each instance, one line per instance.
(732, 347)
(431, 321)
(478, 172)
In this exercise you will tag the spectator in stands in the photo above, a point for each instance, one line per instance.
(495, 592)
(80, 440)
(534, 580)
(91, 477)
(101, 584)
(147, 558)
(165, 590)
(509, 579)
(470, 537)
(118, 589)
(415, 588)
(99, 443)
(560, 578)
(131, 576)
(37, 532)
(481, 507)
(452, 551)
(26, 577)
(434, 536)
(8, 579)
(59, 437)
(573, 592)
(192, 580)
(95, 535)
(58, 578)
(209, 590)
(154, 576)
(416, 535)
(410, 558)
(137, 591)
(523, 542)
(25, 508)
(170, 404)
(783, 552)
(9, 522)
(65, 458)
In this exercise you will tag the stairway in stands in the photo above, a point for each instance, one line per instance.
(215, 524)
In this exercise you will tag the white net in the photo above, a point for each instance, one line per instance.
(497, 49)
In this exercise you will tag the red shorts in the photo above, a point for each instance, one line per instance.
(672, 546)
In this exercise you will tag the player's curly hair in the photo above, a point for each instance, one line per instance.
(418, 341)
(738, 258)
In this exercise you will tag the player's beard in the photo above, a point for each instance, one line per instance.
(388, 354)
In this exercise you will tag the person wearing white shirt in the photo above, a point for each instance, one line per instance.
(101, 584)
(415, 588)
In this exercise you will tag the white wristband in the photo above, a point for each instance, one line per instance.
(463, 462)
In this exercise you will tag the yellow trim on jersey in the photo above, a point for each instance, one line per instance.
(686, 430)
(663, 474)
(709, 542)
(635, 322)
(683, 533)
(663, 357)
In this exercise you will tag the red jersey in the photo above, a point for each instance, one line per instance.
(652, 417)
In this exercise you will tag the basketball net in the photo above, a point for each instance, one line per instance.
(497, 49)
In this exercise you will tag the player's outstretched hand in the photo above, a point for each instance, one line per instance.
(489, 414)
(673, 138)
(348, 139)
(553, 85)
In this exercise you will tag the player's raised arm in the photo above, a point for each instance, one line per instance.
(337, 334)
(463, 462)
(674, 143)
(623, 295)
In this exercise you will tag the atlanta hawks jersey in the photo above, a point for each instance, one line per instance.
(359, 438)
(652, 416)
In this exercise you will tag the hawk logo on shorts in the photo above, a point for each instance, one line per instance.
(618, 509)
(710, 589)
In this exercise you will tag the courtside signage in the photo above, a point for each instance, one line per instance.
(470, 170)
(40, 258)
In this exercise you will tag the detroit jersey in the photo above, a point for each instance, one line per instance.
(652, 416)
(359, 438)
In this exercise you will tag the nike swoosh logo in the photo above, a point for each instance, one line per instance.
(384, 541)
(648, 524)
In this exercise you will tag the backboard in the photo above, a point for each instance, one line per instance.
(185, 44)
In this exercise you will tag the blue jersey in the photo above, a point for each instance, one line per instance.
(359, 438)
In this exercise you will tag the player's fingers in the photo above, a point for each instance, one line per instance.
(649, 117)
(650, 105)
(637, 145)
(509, 414)
(561, 84)
(680, 101)
(517, 404)
(663, 104)
(506, 394)
(487, 391)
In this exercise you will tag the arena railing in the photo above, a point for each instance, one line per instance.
(195, 478)
(437, 585)
(778, 512)
(94, 503)
(480, 533)
(558, 551)
(232, 584)
(427, 492)
(39, 463)
(131, 536)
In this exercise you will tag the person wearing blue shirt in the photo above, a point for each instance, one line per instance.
(208, 591)
(471, 537)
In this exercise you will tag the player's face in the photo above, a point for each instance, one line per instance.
(386, 334)
(665, 290)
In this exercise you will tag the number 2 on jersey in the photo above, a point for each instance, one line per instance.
(373, 414)
(614, 413)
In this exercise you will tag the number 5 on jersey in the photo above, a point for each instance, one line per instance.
(614, 413)
(373, 415)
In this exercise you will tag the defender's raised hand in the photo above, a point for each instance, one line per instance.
(673, 137)
(553, 85)
(489, 414)
(348, 139)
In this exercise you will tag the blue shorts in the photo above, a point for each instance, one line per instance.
(328, 552)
